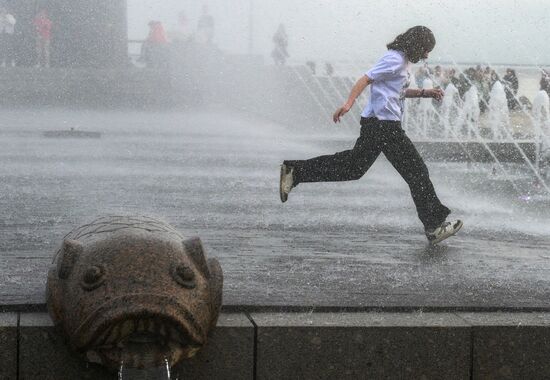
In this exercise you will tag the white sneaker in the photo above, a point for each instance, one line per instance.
(443, 231)
(286, 182)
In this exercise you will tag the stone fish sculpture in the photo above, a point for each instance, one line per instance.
(133, 291)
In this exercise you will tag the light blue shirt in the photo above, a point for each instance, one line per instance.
(390, 78)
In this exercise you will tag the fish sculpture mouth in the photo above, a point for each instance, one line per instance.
(141, 341)
(140, 334)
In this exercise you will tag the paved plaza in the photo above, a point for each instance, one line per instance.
(214, 174)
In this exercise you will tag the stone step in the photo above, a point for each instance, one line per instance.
(363, 345)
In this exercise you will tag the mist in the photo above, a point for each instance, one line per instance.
(505, 32)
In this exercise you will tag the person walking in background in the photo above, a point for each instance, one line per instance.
(421, 75)
(381, 132)
(154, 51)
(329, 69)
(205, 27)
(545, 81)
(511, 83)
(312, 67)
(493, 78)
(440, 78)
(462, 83)
(280, 52)
(7, 29)
(481, 81)
(181, 34)
(43, 29)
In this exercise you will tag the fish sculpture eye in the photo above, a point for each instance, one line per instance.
(93, 277)
(184, 276)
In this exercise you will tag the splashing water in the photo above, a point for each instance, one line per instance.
(499, 117)
(158, 373)
(451, 114)
(471, 112)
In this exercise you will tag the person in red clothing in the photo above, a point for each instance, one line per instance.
(43, 27)
(154, 50)
(157, 33)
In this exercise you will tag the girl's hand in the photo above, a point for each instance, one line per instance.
(435, 93)
(340, 112)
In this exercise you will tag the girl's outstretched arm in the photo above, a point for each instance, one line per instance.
(356, 90)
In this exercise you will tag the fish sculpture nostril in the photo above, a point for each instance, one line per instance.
(93, 277)
(184, 276)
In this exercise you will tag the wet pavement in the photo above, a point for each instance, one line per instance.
(215, 175)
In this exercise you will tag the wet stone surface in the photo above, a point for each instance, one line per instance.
(8, 345)
(43, 354)
(228, 354)
(357, 345)
(215, 175)
(510, 345)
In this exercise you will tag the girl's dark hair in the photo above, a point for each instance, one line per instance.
(415, 42)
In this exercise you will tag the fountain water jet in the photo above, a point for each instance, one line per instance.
(427, 112)
(471, 112)
(451, 112)
(499, 116)
(541, 114)
(159, 373)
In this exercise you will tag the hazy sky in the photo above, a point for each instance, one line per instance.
(487, 31)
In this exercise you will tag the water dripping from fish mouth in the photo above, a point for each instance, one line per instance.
(141, 343)
(156, 373)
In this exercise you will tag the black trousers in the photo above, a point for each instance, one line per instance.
(378, 136)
